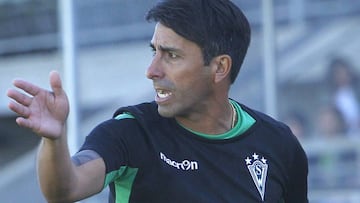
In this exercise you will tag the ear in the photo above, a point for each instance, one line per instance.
(222, 67)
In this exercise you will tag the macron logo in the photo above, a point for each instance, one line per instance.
(185, 165)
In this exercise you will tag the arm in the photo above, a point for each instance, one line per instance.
(45, 113)
(298, 187)
(65, 180)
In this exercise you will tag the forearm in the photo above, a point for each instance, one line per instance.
(56, 172)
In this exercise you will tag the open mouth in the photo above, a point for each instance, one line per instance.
(163, 94)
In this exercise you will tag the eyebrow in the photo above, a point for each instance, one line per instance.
(166, 49)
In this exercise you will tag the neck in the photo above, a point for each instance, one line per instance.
(233, 116)
(213, 120)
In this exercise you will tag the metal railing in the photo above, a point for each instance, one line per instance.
(32, 25)
(334, 169)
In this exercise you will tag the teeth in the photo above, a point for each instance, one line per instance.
(163, 94)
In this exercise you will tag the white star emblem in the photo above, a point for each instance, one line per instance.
(248, 161)
(258, 169)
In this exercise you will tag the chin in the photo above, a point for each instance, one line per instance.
(165, 112)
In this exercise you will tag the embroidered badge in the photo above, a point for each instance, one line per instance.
(258, 170)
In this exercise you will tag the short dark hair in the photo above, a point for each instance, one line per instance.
(216, 26)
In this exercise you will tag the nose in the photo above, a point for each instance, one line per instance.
(155, 70)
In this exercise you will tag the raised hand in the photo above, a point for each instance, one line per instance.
(40, 110)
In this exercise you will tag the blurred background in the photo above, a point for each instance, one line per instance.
(312, 85)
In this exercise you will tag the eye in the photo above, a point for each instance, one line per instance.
(173, 55)
(153, 50)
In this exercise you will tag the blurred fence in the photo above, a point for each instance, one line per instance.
(334, 170)
(31, 25)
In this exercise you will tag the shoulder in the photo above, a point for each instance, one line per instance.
(125, 120)
(267, 122)
(122, 131)
(147, 108)
(274, 131)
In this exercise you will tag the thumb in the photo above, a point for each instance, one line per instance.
(55, 83)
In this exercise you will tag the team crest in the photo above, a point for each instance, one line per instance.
(258, 169)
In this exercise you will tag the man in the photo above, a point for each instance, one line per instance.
(192, 144)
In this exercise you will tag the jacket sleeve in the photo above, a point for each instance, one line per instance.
(297, 187)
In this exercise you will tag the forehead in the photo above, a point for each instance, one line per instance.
(165, 36)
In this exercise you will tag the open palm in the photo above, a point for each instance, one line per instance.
(40, 110)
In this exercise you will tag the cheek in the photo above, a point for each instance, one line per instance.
(193, 85)
(191, 78)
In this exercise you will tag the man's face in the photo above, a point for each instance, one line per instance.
(182, 82)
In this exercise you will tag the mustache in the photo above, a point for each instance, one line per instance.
(163, 84)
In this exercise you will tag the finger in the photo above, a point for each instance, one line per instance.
(55, 83)
(27, 87)
(19, 109)
(19, 97)
(24, 122)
